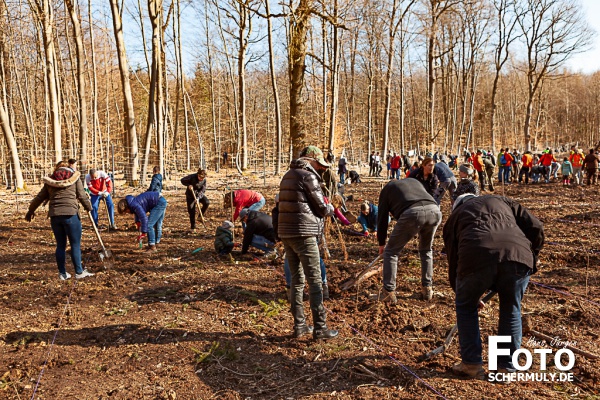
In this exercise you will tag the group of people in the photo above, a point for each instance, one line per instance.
(477, 262)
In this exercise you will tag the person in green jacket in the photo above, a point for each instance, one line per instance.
(224, 238)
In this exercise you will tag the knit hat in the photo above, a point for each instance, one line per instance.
(243, 213)
(227, 225)
(315, 153)
(466, 169)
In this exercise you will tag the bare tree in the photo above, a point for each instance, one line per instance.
(129, 115)
(278, 129)
(553, 30)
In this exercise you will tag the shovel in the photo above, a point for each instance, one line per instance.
(107, 214)
(105, 255)
(199, 211)
(451, 335)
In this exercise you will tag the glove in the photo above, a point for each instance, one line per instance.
(138, 225)
(105, 194)
(330, 209)
(366, 233)
(191, 188)
(140, 237)
(29, 216)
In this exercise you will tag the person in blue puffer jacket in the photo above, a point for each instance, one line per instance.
(151, 225)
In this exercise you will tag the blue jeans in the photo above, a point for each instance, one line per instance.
(507, 170)
(258, 205)
(95, 199)
(510, 280)
(288, 273)
(155, 221)
(342, 177)
(262, 243)
(67, 226)
(421, 220)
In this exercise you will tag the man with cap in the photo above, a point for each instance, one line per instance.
(196, 187)
(258, 232)
(417, 213)
(302, 208)
(492, 243)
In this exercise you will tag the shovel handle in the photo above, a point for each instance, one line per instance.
(96, 230)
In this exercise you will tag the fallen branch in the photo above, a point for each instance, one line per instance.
(553, 342)
(364, 274)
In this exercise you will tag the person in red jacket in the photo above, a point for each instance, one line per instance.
(480, 168)
(546, 161)
(396, 164)
(244, 198)
(506, 160)
(527, 161)
(100, 186)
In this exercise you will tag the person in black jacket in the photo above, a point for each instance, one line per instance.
(426, 175)
(196, 185)
(417, 213)
(302, 208)
(259, 231)
(492, 243)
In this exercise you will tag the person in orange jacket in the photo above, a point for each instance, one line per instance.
(576, 160)
(506, 161)
(546, 161)
(527, 161)
(480, 168)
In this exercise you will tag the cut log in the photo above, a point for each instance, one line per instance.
(364, 274)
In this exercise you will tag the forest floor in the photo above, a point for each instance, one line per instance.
(172, 325)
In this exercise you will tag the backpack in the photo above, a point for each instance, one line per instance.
(502, 160)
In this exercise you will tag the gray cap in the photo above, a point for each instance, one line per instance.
(227, 225)
(466, 168)
(243, 213)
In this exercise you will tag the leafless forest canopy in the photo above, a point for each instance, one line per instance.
(176, 84)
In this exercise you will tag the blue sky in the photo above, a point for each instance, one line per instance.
(589, 61)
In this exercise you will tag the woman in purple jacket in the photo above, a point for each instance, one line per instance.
(151, 225)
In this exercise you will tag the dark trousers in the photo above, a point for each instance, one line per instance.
(191, 207)
(524, 173)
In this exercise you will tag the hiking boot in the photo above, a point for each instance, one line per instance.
(426, 293)
(113, 227)
(302, 330)
(388, 297)
(64, 277)
(325, 292)
(151, 248)
(471, 371)
(325, 334)
(288, 292)
(84, 274)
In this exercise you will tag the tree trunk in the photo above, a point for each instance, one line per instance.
(129, 115)
(12, 146)
(278, 130)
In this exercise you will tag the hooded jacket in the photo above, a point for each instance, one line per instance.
(156, 184)
(63, 189)
(140, 205)
(301, 202)
(487, 230)
(223, 239)
(102, 184)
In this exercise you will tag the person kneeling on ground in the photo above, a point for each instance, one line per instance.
(224, 238)
(485, 262)
(151, 225)
(368, 217)
(417, 213)
(259, 231)
(354, 177)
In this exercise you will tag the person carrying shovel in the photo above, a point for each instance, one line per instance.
(100, 186)
(194, 195)
(63, 189)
